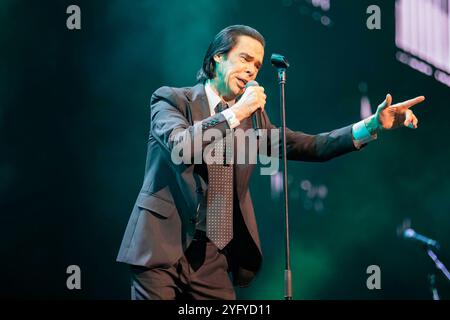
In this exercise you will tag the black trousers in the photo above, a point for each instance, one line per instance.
(201, 274)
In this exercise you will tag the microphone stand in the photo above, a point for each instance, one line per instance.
(438, 263)
(405, 231)
(433, 289)
(281, 64)
(440, 266)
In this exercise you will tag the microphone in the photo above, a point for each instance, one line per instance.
(257, 116)
(413, 235)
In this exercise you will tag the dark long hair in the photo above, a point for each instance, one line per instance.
(222, 43)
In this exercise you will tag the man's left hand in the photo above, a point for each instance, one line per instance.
(390, 117)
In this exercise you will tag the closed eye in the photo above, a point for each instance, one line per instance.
(249, 58)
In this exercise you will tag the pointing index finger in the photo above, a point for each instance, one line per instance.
(409, 103)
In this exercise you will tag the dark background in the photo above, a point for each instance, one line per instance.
(74, 119)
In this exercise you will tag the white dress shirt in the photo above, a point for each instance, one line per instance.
(213, 101)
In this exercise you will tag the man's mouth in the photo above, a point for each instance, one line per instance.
(241, 82)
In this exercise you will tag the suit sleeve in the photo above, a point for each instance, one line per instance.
(172, 130)
(314, 148)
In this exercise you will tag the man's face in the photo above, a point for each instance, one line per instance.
(238, 67)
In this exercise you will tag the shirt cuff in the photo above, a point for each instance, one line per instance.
(229, 115)
(361, 135)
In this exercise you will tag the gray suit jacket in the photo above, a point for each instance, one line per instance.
(163, 220)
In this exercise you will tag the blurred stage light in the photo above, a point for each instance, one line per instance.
(365, 109)
(323, 4)
(422, 32)
(318, 10)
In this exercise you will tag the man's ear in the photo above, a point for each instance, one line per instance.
(218, 58)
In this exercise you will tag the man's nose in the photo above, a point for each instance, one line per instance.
(251, 70)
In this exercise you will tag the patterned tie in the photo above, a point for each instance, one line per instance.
(219, 208)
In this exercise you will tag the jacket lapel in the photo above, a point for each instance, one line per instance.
(199, 103)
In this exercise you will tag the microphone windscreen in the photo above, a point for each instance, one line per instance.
(409, 233)
(252, 83)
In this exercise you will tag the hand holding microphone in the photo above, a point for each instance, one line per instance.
(257, 115)
(251, 103)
